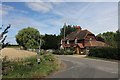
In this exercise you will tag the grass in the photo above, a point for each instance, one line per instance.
(13, 46)
(29, 68)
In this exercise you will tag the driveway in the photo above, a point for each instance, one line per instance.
(79, 67)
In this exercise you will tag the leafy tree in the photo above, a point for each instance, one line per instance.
(68, 30)
(28, 38)
(117, 38)
(109, 38)
(99, 38)
(51, 41)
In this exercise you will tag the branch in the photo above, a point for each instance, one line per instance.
(3, 39)
(4, 45)
(5, 31)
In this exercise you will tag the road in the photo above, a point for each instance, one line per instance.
(78, 67)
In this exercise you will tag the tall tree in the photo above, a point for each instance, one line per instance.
(28, 38)
(109, 38)
(51, 41)
(117, 38)
(67, 29)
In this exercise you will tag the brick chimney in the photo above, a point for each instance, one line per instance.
(78, 28)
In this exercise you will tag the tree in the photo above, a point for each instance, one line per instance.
(28, 38)
(68, 30)
(99, 38)
(117, 38)
(51, 41)
(109, 38)
(3, 38)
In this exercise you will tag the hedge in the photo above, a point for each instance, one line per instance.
(62, 52)
(107, 52)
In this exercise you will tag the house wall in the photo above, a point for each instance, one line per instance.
(87, 38)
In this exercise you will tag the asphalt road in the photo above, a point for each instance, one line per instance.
(77, 67)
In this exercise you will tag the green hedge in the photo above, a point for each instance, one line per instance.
(62, 52)
(109, 53)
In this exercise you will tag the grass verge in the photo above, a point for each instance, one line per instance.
(29, 68)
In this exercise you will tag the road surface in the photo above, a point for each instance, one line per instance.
(78, 67)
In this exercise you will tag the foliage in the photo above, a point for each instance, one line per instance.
(117, 38)
(109, 38)
(108, 52)
(68, 52)
(99, 38)
(51, 41)
(61, 52)
(28, 38)
(13, 46)
(29, 68)
(68, 30)
(58, 52)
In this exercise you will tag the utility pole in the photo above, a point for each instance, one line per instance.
(38, 58)
(64, 33)
(64, 30)
(39, 45)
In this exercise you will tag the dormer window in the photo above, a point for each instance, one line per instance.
(68, 42)
(61, 41)
(75, 41)
(90, 39)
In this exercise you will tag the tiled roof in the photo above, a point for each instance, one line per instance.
(80, 45)
(95, 43)
(80, 34)
(66, 45)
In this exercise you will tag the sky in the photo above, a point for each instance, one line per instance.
(49, 17)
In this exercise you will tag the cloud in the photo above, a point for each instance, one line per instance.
(60, 0)
(96, 17)
(40, 6)
(5, 10)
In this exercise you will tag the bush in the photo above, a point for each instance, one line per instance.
(49, 57)
(68, 52)
(58, 52)
(61, 52)
(109, 53)
(29, 68)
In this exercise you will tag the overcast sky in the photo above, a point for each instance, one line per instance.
(49, 17)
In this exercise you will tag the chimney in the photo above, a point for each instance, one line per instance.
(78, 28)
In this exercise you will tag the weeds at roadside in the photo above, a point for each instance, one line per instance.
(29, 68)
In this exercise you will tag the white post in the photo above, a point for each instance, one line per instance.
(38, 59)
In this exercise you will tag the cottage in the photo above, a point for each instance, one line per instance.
(81, 40)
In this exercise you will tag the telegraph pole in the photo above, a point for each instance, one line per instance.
(64, 33)
(38, 58)
(64, 30)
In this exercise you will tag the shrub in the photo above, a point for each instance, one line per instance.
(109, 53)
(68, 52)
(29, 68)
(58, 52)
(49, 57)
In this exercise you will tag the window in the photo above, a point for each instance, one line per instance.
(67, 41)
(61, 41)
(75, 41)
(90, 39)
